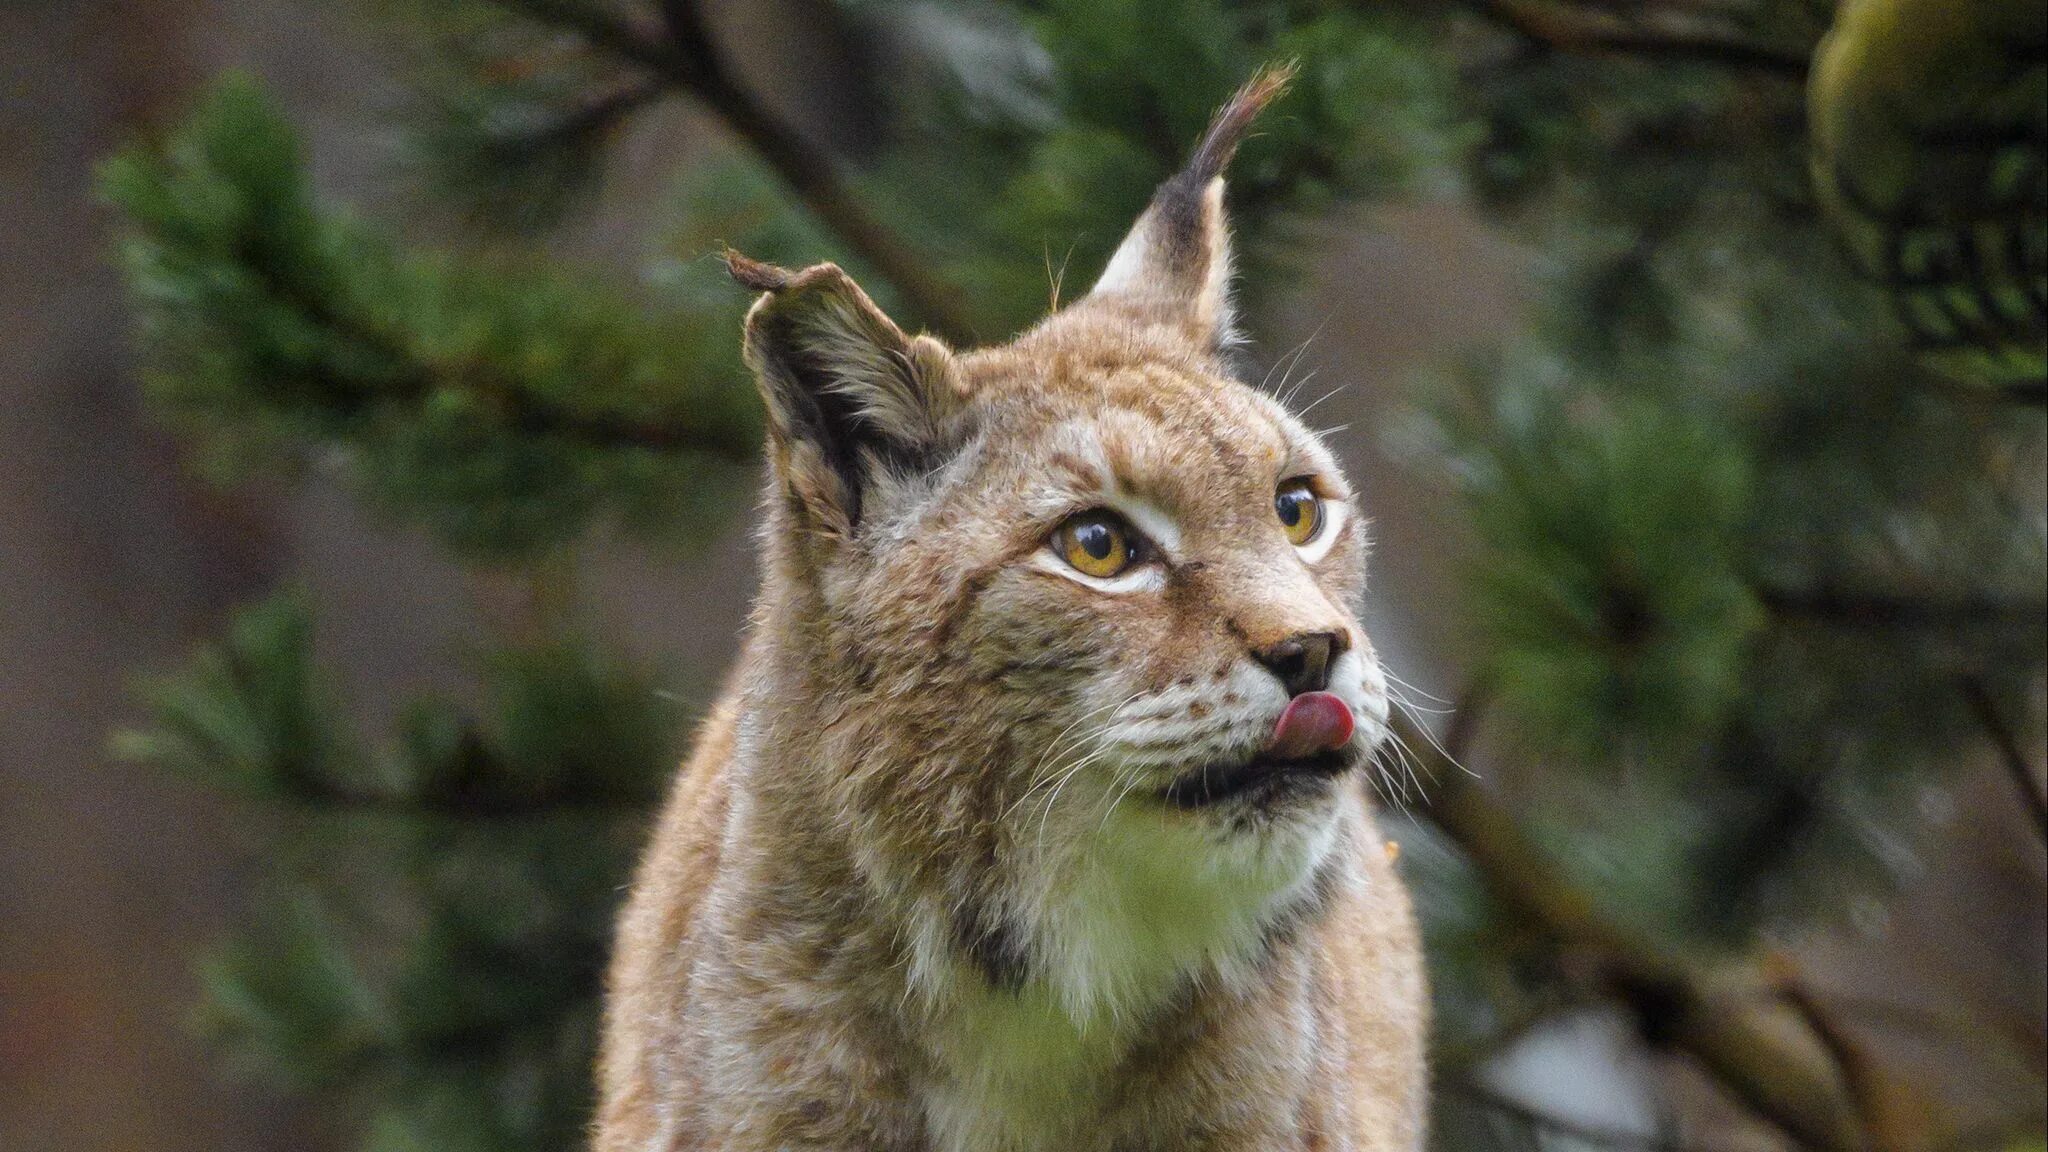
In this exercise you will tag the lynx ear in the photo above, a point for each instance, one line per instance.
(1174, 267)
(853, 403)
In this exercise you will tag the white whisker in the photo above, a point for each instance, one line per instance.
(1428, 733)
(1294, 391)
(1292, 360)
(1303, 414)
(1382, 781)
(1060, 746)
(1415, 709)
(1437, 744)
(1052, 798)
(1135, 775)
(1396, 680)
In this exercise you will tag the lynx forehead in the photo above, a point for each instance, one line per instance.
(1031, 818)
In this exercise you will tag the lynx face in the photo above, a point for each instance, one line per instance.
(1181, 557)
(1058, 597)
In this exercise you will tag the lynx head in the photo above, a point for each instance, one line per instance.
(1039, 612)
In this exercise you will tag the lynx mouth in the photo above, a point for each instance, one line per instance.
(1260, 780)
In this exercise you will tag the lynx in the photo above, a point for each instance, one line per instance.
(1031, 819)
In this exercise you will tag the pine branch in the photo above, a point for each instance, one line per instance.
(686, 57)
(811, 175)
(523, 164)
(1978, 695)
(599, 29)
(2028, 394)
(1857, 608)
(1580, 30)
(480, 805)
(1784, 1076)
(508, 408)
(567, 731)
(1891, 1112)
(432, 951)
(512, 398)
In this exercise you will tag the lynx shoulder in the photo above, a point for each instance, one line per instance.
(1032, 817)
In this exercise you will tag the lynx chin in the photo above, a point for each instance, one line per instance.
(1031, 819)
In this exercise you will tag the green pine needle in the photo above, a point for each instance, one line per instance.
(1613, 588)
(505, 408)
(248, 712)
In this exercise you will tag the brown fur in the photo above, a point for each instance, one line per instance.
(916, 889)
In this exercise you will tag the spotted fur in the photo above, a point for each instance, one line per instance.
(918, 889)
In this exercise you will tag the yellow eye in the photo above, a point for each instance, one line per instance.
(1097, 544)
(1300, 509)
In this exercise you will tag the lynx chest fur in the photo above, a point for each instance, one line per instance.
(1032, 817)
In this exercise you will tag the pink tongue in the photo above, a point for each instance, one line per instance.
(1314, 722)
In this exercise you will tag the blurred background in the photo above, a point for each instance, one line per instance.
(375, 456)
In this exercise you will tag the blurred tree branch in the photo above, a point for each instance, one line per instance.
(505, 405)
(684, 55)
(462, 798)
(598, 117)
(1873, 609)
(1895, 1117)
(1586, 30)
(420, 377)
(1763, 1054)
(479, 807)
(1978, 695)
(2033, 395)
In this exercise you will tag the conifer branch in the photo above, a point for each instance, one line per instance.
(507, 408)
(599, 115)
(1978, 695)
(2031, 394)
(1765, 1058)
(420, 376)
(686, 56)
(478, 806)
(1589, 31)
(599, 29)
(1882, 1104)
(1876, 609)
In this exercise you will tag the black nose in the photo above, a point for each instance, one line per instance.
(1302, 661)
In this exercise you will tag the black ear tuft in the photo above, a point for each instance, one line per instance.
(1174, 267)
(1233, 122)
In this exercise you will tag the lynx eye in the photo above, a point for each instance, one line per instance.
(1097, 544)
(1300, 509)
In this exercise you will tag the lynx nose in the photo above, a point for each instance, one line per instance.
(1302, 661)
